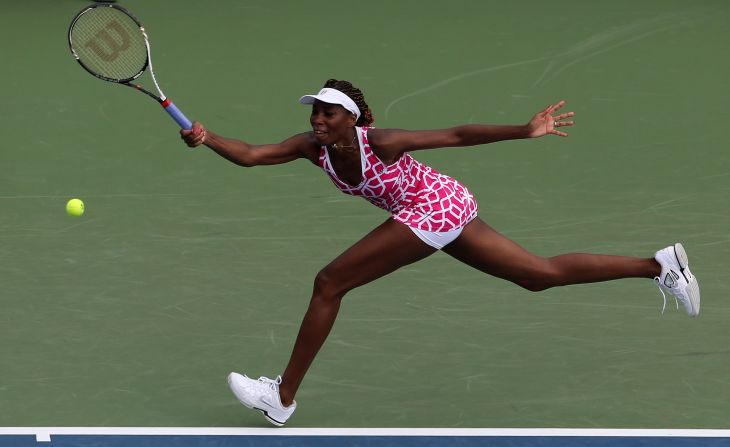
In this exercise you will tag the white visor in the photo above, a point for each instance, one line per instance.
(332, 96)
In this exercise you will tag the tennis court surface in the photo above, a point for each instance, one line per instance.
(185, 267)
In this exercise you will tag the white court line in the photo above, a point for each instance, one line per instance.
(43, 434)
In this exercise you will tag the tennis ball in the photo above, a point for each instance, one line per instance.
(75, 207)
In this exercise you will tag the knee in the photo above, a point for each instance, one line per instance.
(328, 287)
(543, 277)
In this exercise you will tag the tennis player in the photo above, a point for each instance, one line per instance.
(429, 212)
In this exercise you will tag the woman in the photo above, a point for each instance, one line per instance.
(430, 212)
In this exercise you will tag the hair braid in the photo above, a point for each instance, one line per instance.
(366, 116)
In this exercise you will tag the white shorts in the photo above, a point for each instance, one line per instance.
(437, 240)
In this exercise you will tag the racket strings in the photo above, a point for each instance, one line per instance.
(109, 43)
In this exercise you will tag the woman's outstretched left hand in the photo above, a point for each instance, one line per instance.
(544, 123)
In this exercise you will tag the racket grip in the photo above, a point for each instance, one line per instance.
(176, 114)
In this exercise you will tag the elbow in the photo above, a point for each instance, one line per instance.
(473, 135)
(460, 137)
(245, 163)
(246, 159)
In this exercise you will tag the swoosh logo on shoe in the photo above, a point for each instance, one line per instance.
(265, 400)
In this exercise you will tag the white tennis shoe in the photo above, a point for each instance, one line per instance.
(262, 395)
(677, 280)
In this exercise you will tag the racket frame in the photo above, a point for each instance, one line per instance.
(166, 104)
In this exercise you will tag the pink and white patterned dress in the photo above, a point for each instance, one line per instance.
(415, 194)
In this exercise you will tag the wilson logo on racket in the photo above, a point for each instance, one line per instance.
(113, 46)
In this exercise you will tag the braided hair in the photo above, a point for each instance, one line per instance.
(366, 116)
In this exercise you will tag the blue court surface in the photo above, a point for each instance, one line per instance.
(343, 437)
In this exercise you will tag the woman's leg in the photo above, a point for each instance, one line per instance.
(384, 250)
(483, 248)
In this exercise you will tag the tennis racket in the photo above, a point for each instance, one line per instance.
(111, 44)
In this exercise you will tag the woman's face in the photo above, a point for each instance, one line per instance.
(331, 122)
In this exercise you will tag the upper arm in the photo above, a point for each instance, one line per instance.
(393, 142)
(298, 146)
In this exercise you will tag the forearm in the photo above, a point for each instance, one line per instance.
(235, 151)
(476, 134)
(244, 154)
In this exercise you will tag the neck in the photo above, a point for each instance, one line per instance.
(347, 144)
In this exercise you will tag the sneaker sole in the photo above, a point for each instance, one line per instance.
(270, 419)
(694, 288)
(264, 412)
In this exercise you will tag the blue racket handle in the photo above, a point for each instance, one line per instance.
(177, 115)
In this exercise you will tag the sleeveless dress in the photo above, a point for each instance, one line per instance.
(415, 194)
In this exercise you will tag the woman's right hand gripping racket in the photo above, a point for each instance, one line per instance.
(112, 45)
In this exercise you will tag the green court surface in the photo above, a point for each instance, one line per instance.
(186, 267)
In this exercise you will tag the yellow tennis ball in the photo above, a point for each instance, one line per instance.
(75, 207)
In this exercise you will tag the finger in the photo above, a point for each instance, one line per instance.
(197, 128)
(199, 139)
(564, 123)
(564, 115)
(557, 106)
(558, 133)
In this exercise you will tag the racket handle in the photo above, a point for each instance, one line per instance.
(177, 115)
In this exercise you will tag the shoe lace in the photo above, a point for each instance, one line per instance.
(273, 384)
(664, 297)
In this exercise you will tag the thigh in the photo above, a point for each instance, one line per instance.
(388, 247)
(483, 248)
